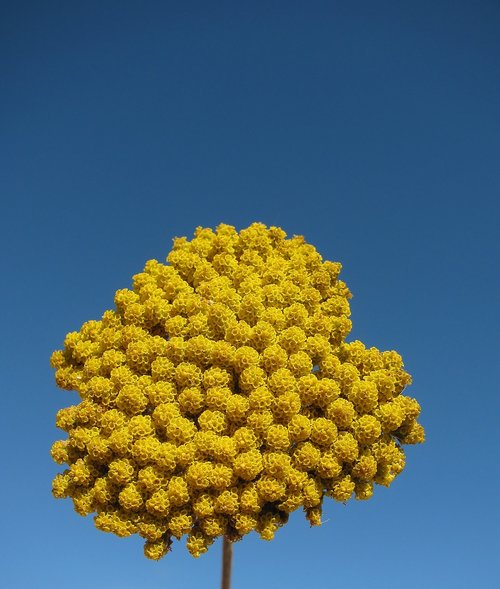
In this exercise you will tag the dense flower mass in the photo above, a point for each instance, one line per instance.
(220, 396)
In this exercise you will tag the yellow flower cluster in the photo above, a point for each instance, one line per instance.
(220, 396)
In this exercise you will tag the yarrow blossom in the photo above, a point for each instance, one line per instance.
(220, 396)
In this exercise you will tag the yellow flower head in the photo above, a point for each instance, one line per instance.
(220, 395)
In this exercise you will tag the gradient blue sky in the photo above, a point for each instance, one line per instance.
(372, 128)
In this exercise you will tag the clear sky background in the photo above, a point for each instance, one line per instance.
(371, 128)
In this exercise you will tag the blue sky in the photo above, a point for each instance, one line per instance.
(371, 128)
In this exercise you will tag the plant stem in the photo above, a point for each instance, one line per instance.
(227, 557)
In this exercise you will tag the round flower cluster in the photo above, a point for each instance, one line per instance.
(220, 396)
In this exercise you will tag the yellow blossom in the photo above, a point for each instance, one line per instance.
(219, 396)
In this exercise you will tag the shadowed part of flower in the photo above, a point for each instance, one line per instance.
(220, 396)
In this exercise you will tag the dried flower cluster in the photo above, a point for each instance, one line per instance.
(220, 396)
